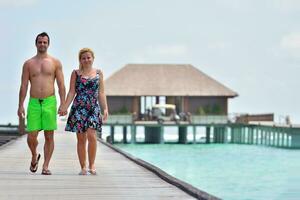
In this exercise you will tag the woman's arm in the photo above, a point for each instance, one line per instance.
(102, 96)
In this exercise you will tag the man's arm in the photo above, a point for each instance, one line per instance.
(61, 84)
(71, 93)
(23, 90)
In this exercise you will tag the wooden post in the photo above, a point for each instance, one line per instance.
(154, 135)
(194, 134)
(284, 139)
(157, 99)
(162, 135)
(268, 136)
(277, 144)
(257, 135)
(238, 135)
(223, 133)
(243, 131)
(232, 132)
(133, 134)
(273, 136)
(215, 134)
(182, 135)
(207, 141)
(125, 134)
(112, 134)
(250, 135)
(262, 135)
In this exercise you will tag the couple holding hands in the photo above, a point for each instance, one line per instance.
(86, 92)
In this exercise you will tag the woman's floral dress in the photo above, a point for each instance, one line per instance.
(85, 111)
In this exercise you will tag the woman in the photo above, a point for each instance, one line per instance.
(85, 115)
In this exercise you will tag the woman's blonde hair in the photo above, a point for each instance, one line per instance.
(82, 51)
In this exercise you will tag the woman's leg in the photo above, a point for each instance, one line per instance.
(92, 147)
(81, 149)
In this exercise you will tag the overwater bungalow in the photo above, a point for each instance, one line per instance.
(136, 87)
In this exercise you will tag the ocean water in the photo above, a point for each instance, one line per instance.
(228, 171)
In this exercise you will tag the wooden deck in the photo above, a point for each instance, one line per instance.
(118, 177)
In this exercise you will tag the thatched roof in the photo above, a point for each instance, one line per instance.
(163, 80)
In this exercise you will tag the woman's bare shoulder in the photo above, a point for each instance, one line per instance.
(100, 72)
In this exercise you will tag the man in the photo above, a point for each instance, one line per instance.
(41, 71)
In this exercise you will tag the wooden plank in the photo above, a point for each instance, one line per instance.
(118, 177)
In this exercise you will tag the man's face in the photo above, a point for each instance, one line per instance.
(42, 44)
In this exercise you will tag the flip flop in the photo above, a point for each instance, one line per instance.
(46, 172)
(83, 172)
(93, 171)
(34, 166)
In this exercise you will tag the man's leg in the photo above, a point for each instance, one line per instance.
(48, 148)
(32, 144)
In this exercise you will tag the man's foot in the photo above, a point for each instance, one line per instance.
(46, 172)
(34, 166)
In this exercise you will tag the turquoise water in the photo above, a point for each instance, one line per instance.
(228, 171)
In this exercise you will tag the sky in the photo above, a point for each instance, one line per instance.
(251, 46)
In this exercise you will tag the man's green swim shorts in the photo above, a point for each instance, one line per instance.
(41, 114)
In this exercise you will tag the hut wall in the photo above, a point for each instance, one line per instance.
(117, 104)
(207, 104)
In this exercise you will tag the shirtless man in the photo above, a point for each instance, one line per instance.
(41, 71)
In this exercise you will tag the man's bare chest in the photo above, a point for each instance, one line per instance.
(42, 69)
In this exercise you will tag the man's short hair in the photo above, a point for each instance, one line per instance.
(43, 34)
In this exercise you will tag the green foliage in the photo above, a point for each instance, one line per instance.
(200, 111)
(215, 109)
(207, 110)
(123, 110)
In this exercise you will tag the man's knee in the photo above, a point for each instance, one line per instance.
(48, 136)
(32, 136)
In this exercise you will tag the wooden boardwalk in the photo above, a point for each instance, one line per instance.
(118, 177)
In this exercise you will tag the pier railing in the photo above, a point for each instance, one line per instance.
(208, 119)
(214, 129)
(9, 129)
(194, 119)
(275, 135)
(120, 119)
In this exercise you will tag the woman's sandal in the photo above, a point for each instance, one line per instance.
(46, 172)
(83, 172)
(34, 166)
(93, 171)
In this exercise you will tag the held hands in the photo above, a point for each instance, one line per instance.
(62, 110)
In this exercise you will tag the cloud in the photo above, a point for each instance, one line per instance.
(286, 5)
(17, 3)
(291, 43)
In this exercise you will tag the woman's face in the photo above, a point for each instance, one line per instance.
(86, 59)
